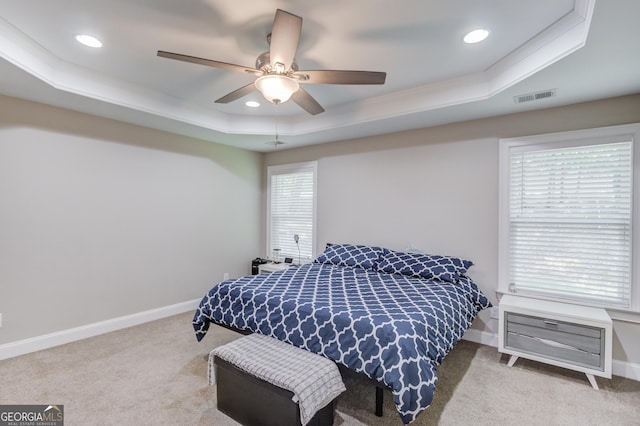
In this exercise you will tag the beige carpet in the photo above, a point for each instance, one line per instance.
(156, 373)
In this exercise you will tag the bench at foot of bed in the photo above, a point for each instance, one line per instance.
(263, 381)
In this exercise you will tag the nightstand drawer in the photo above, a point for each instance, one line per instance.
(555, 350)
(551, 324)
(572, 343)
(580, 336)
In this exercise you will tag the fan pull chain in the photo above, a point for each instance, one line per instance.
(277, 120)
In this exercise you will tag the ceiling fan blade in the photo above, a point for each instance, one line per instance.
(237, 94)
(285, 35)
(207, 62)
(341, 77)
(306, 101)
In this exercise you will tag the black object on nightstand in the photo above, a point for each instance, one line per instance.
(255, 263)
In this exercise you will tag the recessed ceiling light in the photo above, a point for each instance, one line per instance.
(476, 36)
(252, 104)
(88, 40)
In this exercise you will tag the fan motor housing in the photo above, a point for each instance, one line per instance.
(263, 63)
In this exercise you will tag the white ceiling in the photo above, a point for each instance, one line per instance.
(583, 49)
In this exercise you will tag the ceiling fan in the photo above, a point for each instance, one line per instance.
(278, 75)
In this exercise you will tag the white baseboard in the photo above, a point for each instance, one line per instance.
(482, 337)
(618, 368)
(46, 341)
(625, 369)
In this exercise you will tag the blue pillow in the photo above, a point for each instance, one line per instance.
(357, 256)
(427, 266)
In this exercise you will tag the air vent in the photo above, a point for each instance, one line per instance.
(534, 96)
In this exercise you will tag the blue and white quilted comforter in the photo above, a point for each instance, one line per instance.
(393, 328)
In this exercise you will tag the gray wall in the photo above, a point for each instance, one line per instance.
(437, 189)
(101, 219)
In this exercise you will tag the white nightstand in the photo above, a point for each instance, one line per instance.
(267, 268)
(561, 334)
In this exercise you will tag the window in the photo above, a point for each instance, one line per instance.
(291, 210)
(566, 217)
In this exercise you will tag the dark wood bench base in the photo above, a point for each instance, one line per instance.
(344, 370)
(253, 401)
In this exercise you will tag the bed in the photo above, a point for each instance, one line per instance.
(392, 316)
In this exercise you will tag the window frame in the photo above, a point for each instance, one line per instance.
(559, 140)
(282, 169)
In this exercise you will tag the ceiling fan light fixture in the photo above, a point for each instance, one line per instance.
(276, 88)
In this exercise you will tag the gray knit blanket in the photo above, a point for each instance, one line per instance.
(314, 380)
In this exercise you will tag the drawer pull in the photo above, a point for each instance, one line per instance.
(550, 323)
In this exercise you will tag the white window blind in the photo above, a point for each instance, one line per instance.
(570, 217)
(292, 210)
